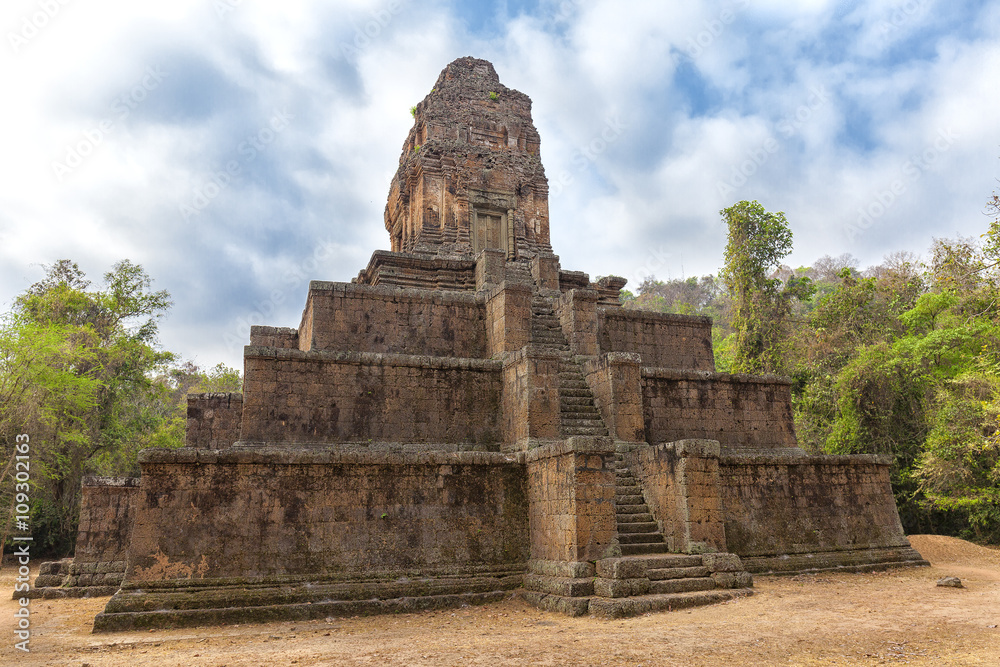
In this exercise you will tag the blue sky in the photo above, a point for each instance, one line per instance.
(239, 148)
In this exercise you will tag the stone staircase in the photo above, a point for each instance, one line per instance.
(638, 533)
(578, 415)
(633, 585)
(647, 577)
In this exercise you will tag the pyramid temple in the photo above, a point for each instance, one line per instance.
(467, 419)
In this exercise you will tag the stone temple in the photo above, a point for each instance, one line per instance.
(466, 419)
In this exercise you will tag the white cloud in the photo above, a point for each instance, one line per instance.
(695, 91)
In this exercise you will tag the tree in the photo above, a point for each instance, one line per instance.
(991, 248)
(758, 241)
(74, 364)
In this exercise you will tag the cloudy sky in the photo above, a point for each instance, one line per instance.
(238, 148)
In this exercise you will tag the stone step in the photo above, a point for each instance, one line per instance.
(578, 385)
(586, 405)
(637, 549)
(638, 527)
(644, 604)
(632, 517)
(660, 574)
(574, 401)
(580, 419)
(663, 561)
(640, 538)
(636, 508)
(629, 499)
(576, 391)
(627, 487)
(579, 430)
(667, 586)
(581, 423)
(577, 413)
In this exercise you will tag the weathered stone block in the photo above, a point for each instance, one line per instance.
(545, 271)
(722, 562)
(620, 588)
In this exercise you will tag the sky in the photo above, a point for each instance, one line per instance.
(237, 149)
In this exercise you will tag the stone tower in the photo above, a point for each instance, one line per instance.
(470, 176)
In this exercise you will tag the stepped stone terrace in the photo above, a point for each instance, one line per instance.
(466, 419)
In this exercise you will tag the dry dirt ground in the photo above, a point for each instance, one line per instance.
(894, 617)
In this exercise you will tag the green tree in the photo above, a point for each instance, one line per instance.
(758, 241)
(166, 405)
(74, 364)
(959, 468)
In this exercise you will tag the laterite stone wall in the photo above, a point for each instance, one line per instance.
(571, 492)
(107, 507)
(663, 340)
(794, 505)
(361, 318)
(740, 411)
(213, 420)
(331, 397)
(290, 511)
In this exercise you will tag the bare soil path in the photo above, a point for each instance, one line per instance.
(894, 617)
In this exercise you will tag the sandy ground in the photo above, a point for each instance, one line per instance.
(894, 617)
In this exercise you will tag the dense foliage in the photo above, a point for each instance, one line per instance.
(81, 372)
(902, 359)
